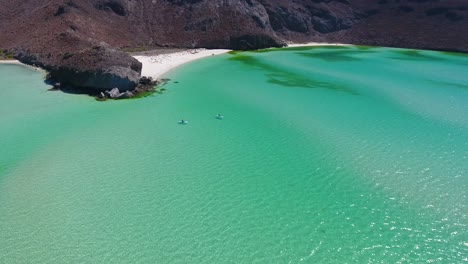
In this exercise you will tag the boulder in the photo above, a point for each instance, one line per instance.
(254, 42)
(116, 94)
(101, 96)
(113, 94)
(125, 95)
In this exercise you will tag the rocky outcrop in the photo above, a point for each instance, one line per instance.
(145, 85)
(252, 42)
(116, 94)
(93, 69)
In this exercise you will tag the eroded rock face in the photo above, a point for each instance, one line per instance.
(96, 80)
(252, 42)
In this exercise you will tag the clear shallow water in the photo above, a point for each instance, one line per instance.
(325, 155)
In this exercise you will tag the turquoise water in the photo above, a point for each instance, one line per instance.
(325, 155)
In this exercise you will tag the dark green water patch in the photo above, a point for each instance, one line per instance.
(304, 48)
(287, 80)
(241, 57)
(434, 56)
(415, 55)
(281, 76)
(2, 169)
(455, 54)
(450, 84)
(365, 48)
(334, 56)
(459, 58)
(145, 94)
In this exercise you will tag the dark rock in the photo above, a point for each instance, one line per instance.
(60, 11)
(125, 95)
(146, 80)
(113, 94)
(113, 6)
(283, 19)
(183, 2)
(253, 42)
(405, 8)
(146, 84)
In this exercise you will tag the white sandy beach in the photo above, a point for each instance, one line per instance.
(156, 65)
(22, 64)
(9, 62)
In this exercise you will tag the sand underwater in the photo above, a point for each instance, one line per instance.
(325, 155)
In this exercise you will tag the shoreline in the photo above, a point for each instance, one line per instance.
(10, 62)
(17, 62)
(292, 45)
(155, 66)
(156, 63)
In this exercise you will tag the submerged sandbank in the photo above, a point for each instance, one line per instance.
(291, 45)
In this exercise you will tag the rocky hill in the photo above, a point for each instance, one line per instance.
(78, 41)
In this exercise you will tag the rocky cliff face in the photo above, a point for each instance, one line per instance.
(75, 39)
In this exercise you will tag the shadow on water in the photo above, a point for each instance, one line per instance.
(68, 88)
(450, 84)
(280, 76)
(289, 49)
(417, 55)
(455, 54)
(337, 53)
(336, 56)
(414, 55)
(305, 48)
(365, 48)
(325, 53)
